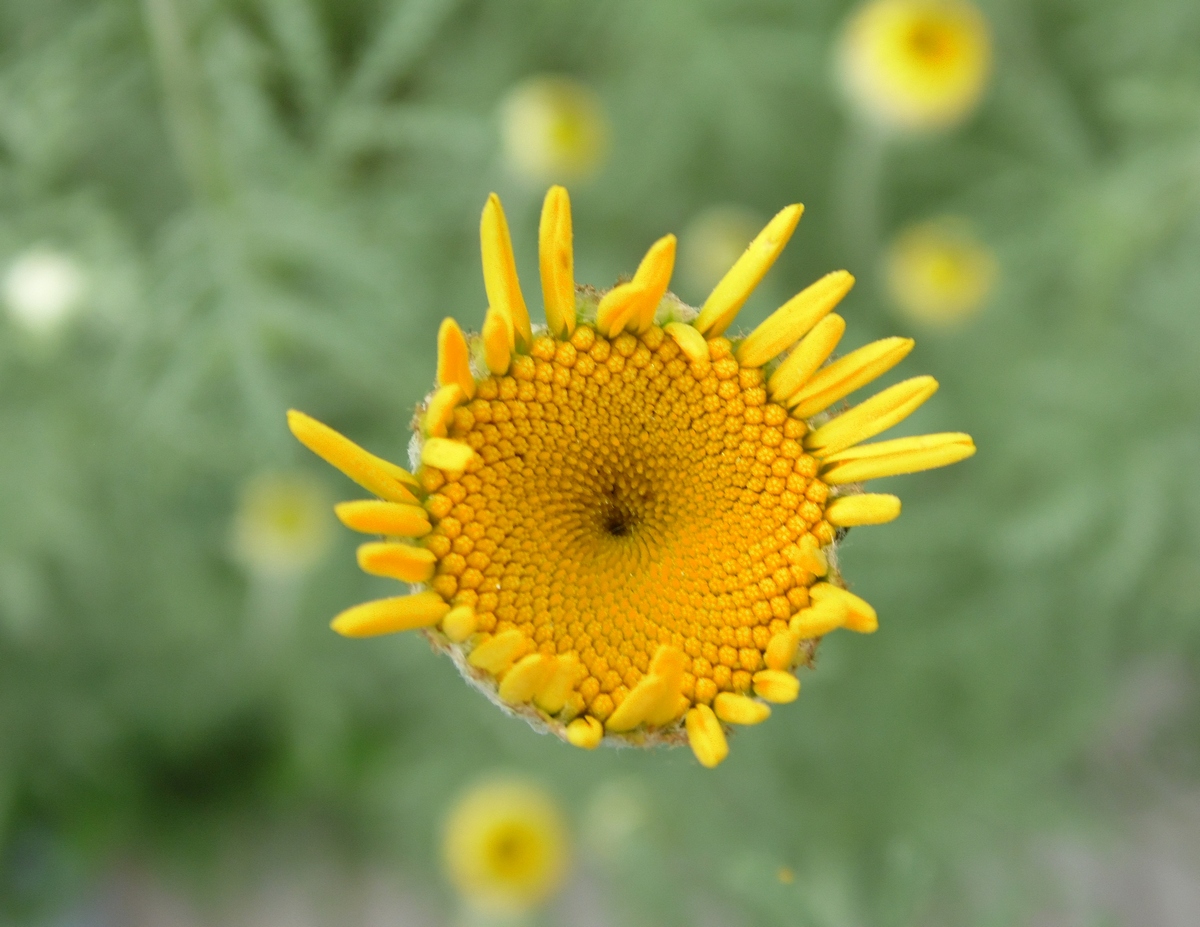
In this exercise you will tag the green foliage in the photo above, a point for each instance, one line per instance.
(274, 203)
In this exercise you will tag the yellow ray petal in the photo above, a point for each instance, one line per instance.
(557, 262)
(691, 342)
(386, 616)
(446, 454)
(440, 411)
(806, 358)
(460, 623)
(781, 650)
(904, 455)
(643, 697)
(372, 473)
(819, 619)
(496, 654)
(585, 733)
(500, 272)
(668, 665)
(525, 678)
(867, 419)
(863, 509)
(565, 675)
(705, 736)
(776, 686)
(794, 319)
(618, 306)
(654, 274)
(397, 561)
(454, 358)
(860, 616)
(371, 516)
(845, 375)
(728, 296)
(739, 709)
(497, 337)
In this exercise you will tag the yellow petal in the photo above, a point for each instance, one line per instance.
(667, 665)
(892, 458)
(638, 703)
(500, 272)
(705, 736)
(585, 732)
(440, 410)
(373, 473)
(819, 619)
(395, 519)
(497, 337)
(454, 358)
(867, 419)
(557, 262)
(794, 319)
(460, 623)
(654, 274)
(691, 342)
(860, 616)
(386, 616)
(845, 375)
(863, 509)
(739, 709)
(618, 306)
(525, 678)
(566, 673)
(397, 561)
(806, 358)
(728, 296)
(781, 650)
(496, 654)
(776, 686)
(446, 454)
(807, 554)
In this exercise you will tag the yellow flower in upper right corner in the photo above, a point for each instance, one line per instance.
(915, 64)
(938, 272)
(505, 846)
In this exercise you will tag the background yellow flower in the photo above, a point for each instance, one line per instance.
(553, 128)
(915, 64)
(505, 845)
(938, 272)
(281, 526)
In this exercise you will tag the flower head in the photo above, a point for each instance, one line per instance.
(505, 846)
(281, 525)
(553, 128)
(938, 272)
(623, 524)
(915, 64)
(42, 289)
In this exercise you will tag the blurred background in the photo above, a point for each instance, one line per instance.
(212, 210)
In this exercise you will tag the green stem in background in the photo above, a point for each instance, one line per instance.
(858, 183)
(189, 120)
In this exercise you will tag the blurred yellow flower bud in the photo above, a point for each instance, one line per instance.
(915, 64)
(553, 129)
(712, 241)
(281, 526)
(505, 846)
(43, 288)
(938, 272)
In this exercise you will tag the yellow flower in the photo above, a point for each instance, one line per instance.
(553, 128)
(505, 846)
(938, 272)
(281, 527)
(712, 241)
(915, 64)
(623, 522)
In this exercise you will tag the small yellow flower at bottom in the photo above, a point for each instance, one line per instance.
(505, 846)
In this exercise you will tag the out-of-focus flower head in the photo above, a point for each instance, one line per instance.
(915, 65)
(938, 272)
(43, 288)
(553, 128)
(505, 846)
(712, 241)
(281, 527)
